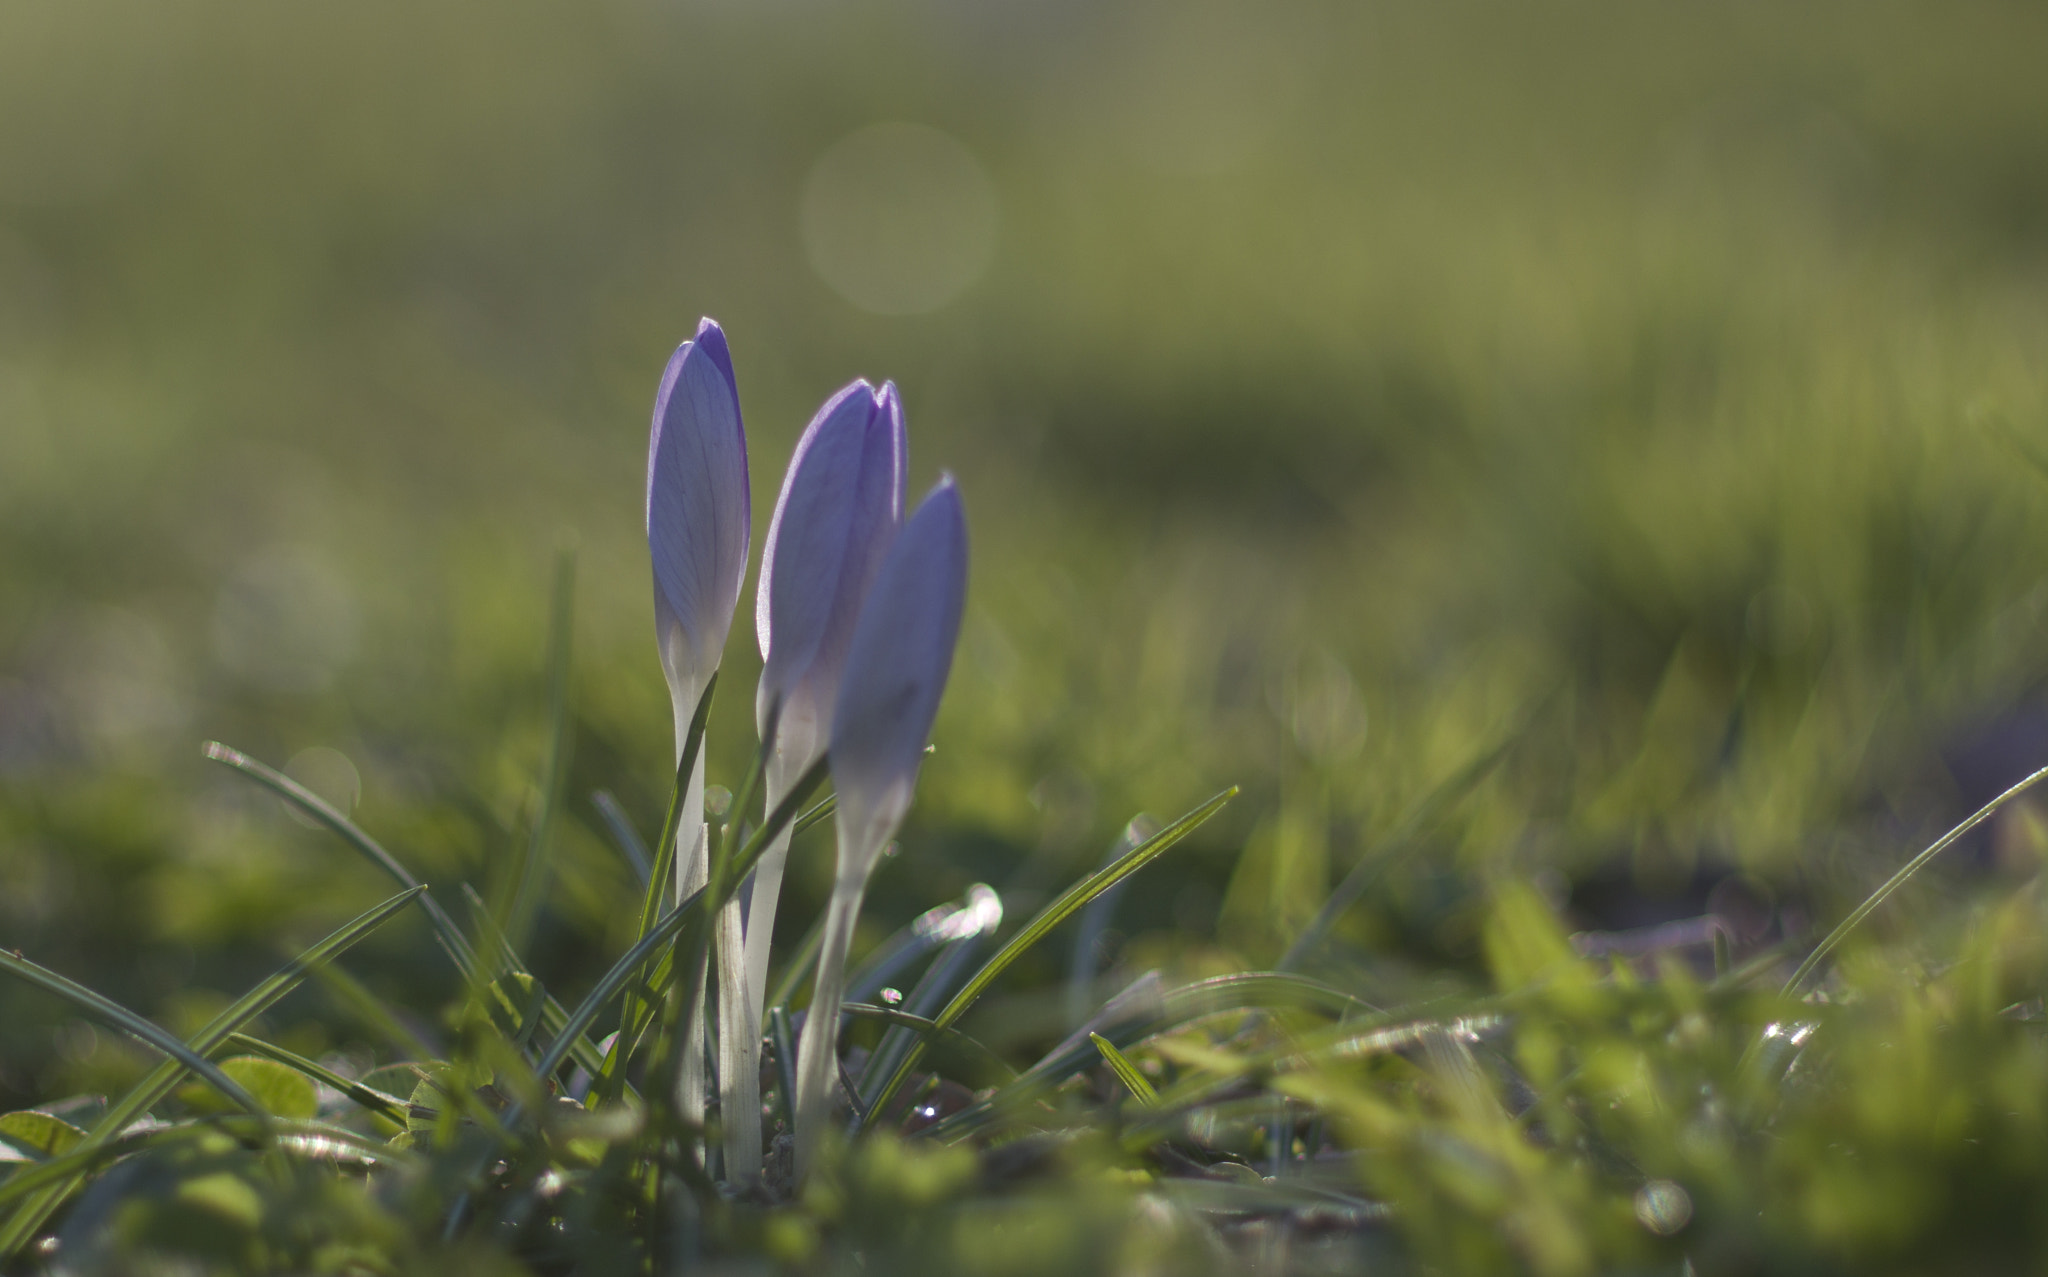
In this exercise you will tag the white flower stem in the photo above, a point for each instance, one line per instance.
(690, 1076)
(739, 1040)
(739, 1052)
(817, 1055)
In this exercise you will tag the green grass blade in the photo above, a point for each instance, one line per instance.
(652, 899)
(533, 864)
(1899, 879)
(112, 1013)
(615, 979)
(929, 1031)
(1406, 837)
(22, 1226)
(800, 963)
(627, 838)
(313, 806)
(552, 1016)
(1126, 1072)
(816, 816)
(1072, 901)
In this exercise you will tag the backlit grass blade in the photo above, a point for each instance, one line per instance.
(929, 1031)
(312, 805)
(654, 897)
(23, 1225)
(524, 904)
(816, 816)
(615, 979)
(624, 835)
(552, 1016)
(1071, 902)
(1899, 879)
(799, 964)
(1149, 1017)
(1126, 1072)
(112, 1013)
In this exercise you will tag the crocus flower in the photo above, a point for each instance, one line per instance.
(896, 667)
(699, 515)
(699, 522)
(841, 503)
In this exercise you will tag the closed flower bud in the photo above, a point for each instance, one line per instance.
(699, 515)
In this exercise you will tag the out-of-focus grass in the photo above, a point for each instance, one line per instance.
(1348, 385)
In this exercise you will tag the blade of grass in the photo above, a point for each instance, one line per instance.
(1069, 903)
(624, 835)
(637, 1011)
(799, 964)
(1899, 879)
(816, 816)
(22, 1226)
(312, 805)
(1126, 1072)
(524, 905)
(552, 1016)
(111, 1013)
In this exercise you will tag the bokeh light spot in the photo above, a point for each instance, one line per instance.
(899, 218)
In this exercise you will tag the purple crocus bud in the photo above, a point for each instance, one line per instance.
(841, 503)
(699, 514)
(895, 672)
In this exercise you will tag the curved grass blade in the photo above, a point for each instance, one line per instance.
(615, 979)
(930, 1031)
(84, 1159)
(111, 1013)
(35, 1212)
(1126, 1072)
(816, 816)
(1899, 879)
(1148, 1015)
(637, 1010)
(389, 1107)
(624, 835)
(524, 905)
(800, 963)
(1068, 904)
(312, 805)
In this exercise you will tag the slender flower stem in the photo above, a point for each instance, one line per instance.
(741, 1006)
(817, 1054)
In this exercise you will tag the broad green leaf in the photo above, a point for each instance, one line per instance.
(284, 1091)
(389, 1107)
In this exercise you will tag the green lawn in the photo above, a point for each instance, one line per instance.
(1577, 468)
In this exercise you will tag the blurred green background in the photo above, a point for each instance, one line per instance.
(1337, 390)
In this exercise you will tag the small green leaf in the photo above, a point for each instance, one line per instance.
(39, 1133)
(284, 1091)
(1126, 1072)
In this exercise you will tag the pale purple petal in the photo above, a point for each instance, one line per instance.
(841, 503)
(896, 671)
(699, 512)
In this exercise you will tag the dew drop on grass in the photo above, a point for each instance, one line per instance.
(717, 801)
(1663, 1207)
